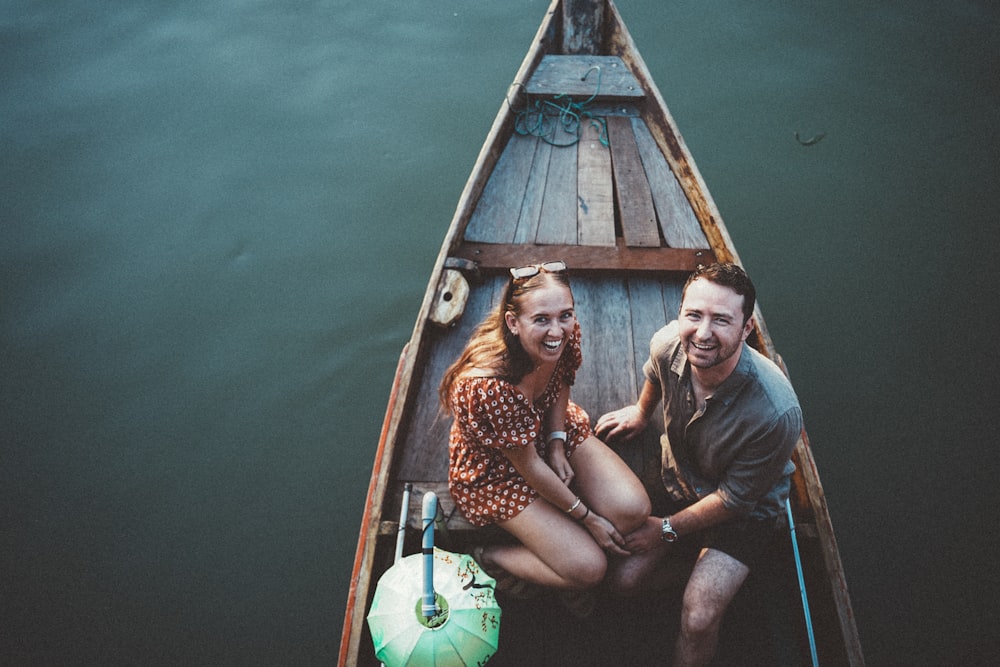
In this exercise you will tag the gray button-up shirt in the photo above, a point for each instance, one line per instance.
(740, 444)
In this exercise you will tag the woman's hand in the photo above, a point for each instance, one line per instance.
(559, 463)
(605, 534)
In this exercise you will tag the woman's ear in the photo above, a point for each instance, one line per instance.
(511, 321)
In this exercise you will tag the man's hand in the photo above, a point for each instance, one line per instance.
(646, 536)
(627, 422)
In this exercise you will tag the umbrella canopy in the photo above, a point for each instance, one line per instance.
(466, 631)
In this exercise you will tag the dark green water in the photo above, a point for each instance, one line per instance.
(219, 220)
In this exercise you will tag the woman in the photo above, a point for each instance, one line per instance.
(522, 455)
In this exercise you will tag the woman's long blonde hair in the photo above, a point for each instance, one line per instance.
(492, 346)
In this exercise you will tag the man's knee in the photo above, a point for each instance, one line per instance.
(714, 583)
(699, 619)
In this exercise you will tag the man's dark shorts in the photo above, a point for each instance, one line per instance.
(744, 539)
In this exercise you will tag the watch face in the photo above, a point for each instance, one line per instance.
(668, 534)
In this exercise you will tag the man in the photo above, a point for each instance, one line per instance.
(731, 420)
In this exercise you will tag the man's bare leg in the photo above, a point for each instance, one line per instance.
(714, 582)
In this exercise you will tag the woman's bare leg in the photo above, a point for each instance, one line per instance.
(608, 486)
(554, 550)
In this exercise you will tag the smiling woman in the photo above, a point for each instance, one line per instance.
(522, 454)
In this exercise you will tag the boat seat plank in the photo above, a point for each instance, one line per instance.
(635, 201)
(648, 315)
(453, 518)
(606, 380)
(595, 191)
(531, 207)
(573, 75)
(499, 207)
(557, 223)
(653, 303)
(424, 454)
(678, 222)
(500, 257)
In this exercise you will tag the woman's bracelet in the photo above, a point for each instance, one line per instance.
(556, 435)
(575, 505)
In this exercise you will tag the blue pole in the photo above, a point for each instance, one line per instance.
(403, 518)
(802, 586)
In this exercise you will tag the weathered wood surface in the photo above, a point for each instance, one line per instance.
(595, 191)
(580, 194)
(677, 221)
(501, 201)
(584, 78)
(582, 23)
(585, 259)
(558, 215)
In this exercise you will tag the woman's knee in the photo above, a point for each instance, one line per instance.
(585, 570)
(635, 511)
(630, 511)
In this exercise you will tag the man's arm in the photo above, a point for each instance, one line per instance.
(632, 419)
(707, 512)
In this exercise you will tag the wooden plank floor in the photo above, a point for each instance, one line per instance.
(586, 193)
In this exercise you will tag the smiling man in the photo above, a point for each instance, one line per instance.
(731, 421)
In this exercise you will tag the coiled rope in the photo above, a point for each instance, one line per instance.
(542, 118)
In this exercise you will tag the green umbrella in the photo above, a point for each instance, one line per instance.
(460, 627)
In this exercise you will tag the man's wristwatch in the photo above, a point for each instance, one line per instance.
(667, 533)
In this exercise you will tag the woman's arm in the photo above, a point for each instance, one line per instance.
(555, 422)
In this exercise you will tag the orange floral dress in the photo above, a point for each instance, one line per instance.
(491, 414)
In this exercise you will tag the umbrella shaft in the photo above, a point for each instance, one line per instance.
(429, 606)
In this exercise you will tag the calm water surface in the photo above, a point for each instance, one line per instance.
(219, 220)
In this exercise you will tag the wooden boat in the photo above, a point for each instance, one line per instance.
(620, 200)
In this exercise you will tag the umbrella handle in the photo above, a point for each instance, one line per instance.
(429, 605)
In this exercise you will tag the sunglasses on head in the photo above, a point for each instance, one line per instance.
(533, 270)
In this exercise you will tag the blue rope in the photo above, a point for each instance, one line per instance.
(537, 119)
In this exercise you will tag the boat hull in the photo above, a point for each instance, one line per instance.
(620, 199)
